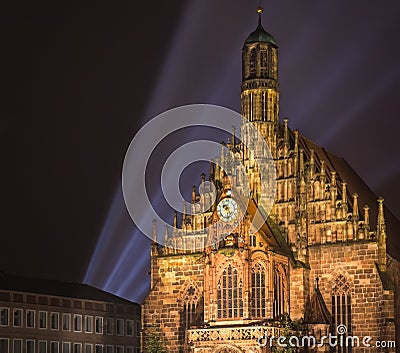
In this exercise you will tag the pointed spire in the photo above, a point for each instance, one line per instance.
(344, 193)
(286, 135)
(175, 220)
(312, 163)
(184, 215)
(316, 310)
(194, 194)
(333, 181)
(366, 220)
(322, 169)
(381, 216)
(212, 171)
(166, 236)
(296, 141)
(154, 233)
(301, 161)
(381, 235)
(356, 215)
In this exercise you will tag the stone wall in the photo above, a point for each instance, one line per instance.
(371, 304)
(171, 275)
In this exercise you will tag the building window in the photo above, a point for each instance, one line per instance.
(65, 347)
(109, 326)
(119, 349)
(341, 309)
(42, 319)
(77, 348)
(119, 330)
(53, 347)
(30, 318)
(30, 346)
(229, 294)
(259, 293)
(189, 307)
(4, 316)
(279, 291)
(138, 326)
(88, 348)
(77, 323)
(42, 347)
(4, 345)
(99, 324)
(17, 346)
(109, 349)
(54, 321)
(66, 322)
(88, 324)
(17, 318)
(99, 348)
(263, 61)
(129, 328)
(253, 61)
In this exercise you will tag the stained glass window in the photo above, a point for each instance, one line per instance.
(280, 286)
(189, 307)
(341, 310)
(230, 297)
(259, 292)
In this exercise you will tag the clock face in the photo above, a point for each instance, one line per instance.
(227, 210)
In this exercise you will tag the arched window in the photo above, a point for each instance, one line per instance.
(230, 303)
(264, 106)
(263, 62)
(259, 292)
(253, 61)
(341, 309)
(280, 286)
(190, 301)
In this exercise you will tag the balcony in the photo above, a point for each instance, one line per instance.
(231, 334)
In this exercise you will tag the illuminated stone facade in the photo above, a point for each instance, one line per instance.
(326, 226)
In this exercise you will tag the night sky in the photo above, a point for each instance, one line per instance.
(79, 80)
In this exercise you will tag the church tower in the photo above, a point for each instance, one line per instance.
(260, 88)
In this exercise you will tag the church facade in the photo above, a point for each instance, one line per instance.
(319, 260)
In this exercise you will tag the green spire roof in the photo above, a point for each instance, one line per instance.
(260, 35)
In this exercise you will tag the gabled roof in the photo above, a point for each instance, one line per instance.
(58, 288)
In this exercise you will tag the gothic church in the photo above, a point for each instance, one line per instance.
(320, 258)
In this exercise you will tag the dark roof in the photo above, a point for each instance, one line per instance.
(317, 311)
(260, 35)
(57, 288)
(355, 184)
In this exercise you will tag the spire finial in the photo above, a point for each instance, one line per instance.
(260, 10)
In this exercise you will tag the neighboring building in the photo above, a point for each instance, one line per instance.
(326, 227)
(44, 316)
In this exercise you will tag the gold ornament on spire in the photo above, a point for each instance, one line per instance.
(260, 10)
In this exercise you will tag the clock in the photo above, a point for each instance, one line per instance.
(227, 210)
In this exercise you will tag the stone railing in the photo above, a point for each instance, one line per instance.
(247, 333)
